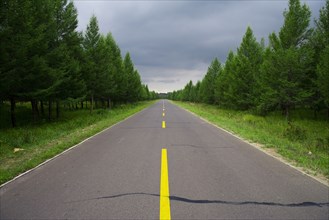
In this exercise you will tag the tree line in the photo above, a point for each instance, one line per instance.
(46, 61)
(291, 72)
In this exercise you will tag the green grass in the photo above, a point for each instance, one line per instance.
(44, 140)
(304, 142)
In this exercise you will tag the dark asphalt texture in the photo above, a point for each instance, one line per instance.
(212, 175)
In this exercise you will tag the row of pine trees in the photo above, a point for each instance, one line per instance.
(46, 61)
(291, 72)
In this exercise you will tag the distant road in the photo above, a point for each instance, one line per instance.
(127, 171)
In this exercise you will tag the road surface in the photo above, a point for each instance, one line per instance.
(206, 174)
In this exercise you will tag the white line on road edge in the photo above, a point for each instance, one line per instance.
(324, 182)
(69, 149)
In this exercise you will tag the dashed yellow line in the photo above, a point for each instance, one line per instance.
(164, 188)
(163, 124)
(163, 114)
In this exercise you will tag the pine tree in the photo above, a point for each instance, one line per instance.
(25, 74)
(148, 95)
(223, 88)
(116, 69)
(242, 78)
(136, 84)
(132, 80)
(323, 76)
(322, 53)
(287, 62)
(186, 93)
(15, 17)
(193, 93)
(144, 93)
(207, 87)
(91, 48)
(66, 54)
(128, 75)
(104, 76)
(197, 91)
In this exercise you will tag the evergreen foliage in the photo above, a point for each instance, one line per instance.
(45, 60)
(291, 72)
(287, 61)
(207, 87)
(322, 47)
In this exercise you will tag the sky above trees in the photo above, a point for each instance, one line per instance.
(172, 42)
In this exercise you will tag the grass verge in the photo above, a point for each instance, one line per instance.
(304, 142)
(26, 147)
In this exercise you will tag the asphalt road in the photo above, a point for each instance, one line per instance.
(212, 175)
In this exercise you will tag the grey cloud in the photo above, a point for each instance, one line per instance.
(152, 80)
(176, 41)
(167, 81)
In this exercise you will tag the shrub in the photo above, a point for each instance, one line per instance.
(322, 143)
(252, 119)
(294, 132)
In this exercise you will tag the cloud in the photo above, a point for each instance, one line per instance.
(164, 79)
(171, 42)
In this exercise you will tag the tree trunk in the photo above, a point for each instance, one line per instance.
(49, 110)
(109, 103)
(35, 110)
(283, 110)
(12, 112)
(287, 113)
(315, 114)
(42, 109)
(57, 109)
(91, 103)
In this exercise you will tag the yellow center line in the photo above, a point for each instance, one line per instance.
(163, 124)
(163, 114)
(164, 187)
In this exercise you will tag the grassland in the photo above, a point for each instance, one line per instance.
(304, 141)
(30, 144)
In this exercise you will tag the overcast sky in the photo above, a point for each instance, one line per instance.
(172, 42)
